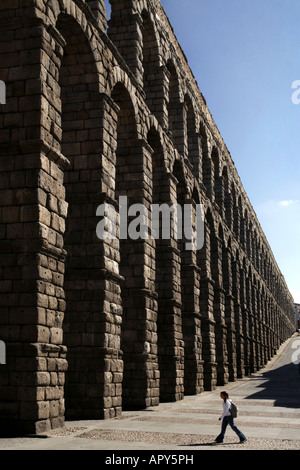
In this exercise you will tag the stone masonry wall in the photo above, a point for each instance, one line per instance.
(93, 112)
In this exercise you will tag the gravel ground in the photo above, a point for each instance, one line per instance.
(190, 440)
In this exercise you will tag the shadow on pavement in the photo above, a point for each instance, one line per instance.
(281, 384)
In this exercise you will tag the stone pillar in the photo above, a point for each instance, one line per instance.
(98, 9)
(269, 330)
(237, 219)
(207, 315)
(162, 114)
(264, 329)
(208, 334)
(271, 323)
(228, 205)
(219, 194)
(153, 79)
(191, 321)
(193, 363)
(207, 173)
(251, 320)
(177, 129)
(140, 387)
(255, 327)
(170, 337)
(259, 329)
(230, 315)
(139, 327)
(125, 31)
(90, 280)
(32, 255)
(192, 140)
(197, 158)
(221, 336)
(245, 319)
(134, 260)
(219, 310)
(236, 290)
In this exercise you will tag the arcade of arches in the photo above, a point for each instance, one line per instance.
(96, 110)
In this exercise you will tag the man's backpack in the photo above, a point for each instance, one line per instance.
(234, 410)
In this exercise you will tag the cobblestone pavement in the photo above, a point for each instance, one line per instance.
(269, 404)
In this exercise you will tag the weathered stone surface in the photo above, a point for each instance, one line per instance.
(93, 326)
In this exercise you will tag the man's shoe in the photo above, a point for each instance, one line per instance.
(243, 440)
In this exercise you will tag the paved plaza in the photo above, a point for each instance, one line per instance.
(269, 404)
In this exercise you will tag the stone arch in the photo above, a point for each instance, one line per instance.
(175, 111)
(254, 248)
(127, 136)
(245, 230)
(128, 177)
(119, 76)
(240, 222)
(204, 254)
(179, 169)
(258, 255)
(226, 263)
(77, 102)
(218, 191)
(263, 263)
(207, 174)
(152, 127)
(152, 78)
(97, 9)
(181, 186)
(236, 220)
(192, 142)
(227, 197)
(249, 240)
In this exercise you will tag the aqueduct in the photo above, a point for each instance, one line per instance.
(95, 111)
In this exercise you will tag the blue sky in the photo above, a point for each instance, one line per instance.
(245, 56)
